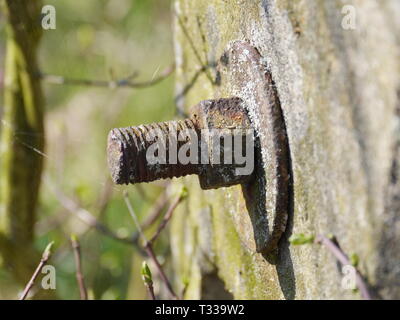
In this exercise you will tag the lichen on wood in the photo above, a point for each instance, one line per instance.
(338, 91)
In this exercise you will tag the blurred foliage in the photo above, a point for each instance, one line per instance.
(97, 39)
(300, 239)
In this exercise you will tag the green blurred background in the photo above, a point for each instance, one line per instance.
(98, 39)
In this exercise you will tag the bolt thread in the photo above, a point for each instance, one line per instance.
(131, 161)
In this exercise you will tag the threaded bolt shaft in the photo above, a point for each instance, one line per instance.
(178, 148)
(128, 148)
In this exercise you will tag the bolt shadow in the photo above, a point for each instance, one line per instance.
(255, 197)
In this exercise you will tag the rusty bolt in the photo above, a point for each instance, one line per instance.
(128, 147)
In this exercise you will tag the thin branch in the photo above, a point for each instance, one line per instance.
(192, 45)
(45, 257)
(134, 216)
(104, 198)
(59, 217)
(150, 290)
(78, 262)
(142, 192)
(87, 217)
(126, 82)
(149, 249)
(344, 260)
(154, 213)
(167, 217)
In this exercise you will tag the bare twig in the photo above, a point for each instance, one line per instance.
(344, 260)
(149, 249)
(154, 213)
(192, 45)
(184, 290)
(142, 193)
(104, 198)
(127, 83)
(150, 290)
(45, 257)
(134, 216)
(63, 213)
(167, 217)
(78, 262)
(87, 217)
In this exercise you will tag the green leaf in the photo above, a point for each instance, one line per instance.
(47, 252)
(74, 238)
(146, 273)
(331, 236)
(184, 193)
(354, 259)
(185, 281)
(300, 238)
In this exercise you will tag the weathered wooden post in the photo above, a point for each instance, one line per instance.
(335, 70)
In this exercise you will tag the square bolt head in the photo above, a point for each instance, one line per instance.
(224, 126)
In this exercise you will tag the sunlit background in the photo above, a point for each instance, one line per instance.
(99, 40)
